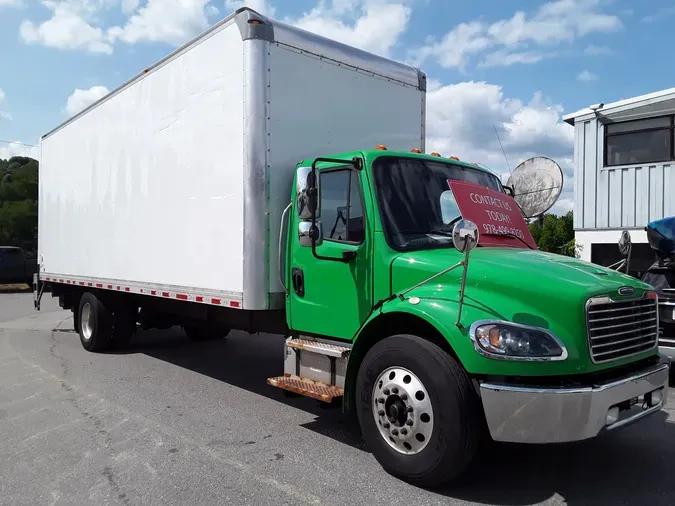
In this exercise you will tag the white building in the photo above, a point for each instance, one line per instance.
(624, 163)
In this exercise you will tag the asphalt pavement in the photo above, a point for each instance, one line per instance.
(175, 422)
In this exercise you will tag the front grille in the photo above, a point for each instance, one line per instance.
(619, 329)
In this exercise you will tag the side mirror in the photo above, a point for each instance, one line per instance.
(306, 233)
(625, 243)
(307, 193)
(508, 190)
(465, 235)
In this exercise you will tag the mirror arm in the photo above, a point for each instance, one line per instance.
(401, 295)
(462, 286)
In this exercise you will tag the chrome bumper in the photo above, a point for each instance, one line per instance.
(549, 415)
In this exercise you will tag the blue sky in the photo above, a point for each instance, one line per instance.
(516, 66)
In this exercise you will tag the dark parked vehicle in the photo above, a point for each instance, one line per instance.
(660, 275)
(15, 267)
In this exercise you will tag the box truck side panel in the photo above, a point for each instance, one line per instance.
(147, 186)
(318, 106)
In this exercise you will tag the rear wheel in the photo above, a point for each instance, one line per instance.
(95, 323)
(205, 332)
(417, 410)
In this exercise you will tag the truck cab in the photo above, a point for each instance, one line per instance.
(438, 326)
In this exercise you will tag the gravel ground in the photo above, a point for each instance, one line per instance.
(176, 422)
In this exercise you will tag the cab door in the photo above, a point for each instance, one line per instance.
(330, 297)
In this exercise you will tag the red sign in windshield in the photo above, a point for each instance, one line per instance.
(497, 215)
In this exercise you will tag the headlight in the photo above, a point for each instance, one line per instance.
(512, 341)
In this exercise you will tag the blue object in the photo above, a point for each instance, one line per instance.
(661, 236)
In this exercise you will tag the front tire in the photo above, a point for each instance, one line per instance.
(417, 410)
(95, 323)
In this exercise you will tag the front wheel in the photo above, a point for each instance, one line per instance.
(417, 410)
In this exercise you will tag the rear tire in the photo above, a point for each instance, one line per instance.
(423, 423)
(205, 333)
(95, 323)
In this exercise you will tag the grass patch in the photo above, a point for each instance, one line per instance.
(15, 288)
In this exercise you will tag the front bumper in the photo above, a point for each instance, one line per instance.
(556, 415)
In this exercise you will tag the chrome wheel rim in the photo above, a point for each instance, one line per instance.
(87, 321)
(402, 410)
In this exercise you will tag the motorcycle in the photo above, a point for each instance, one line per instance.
(660, 275)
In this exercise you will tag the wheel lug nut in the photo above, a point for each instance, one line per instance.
(394, 390)
(385, 425)
(404, 397)
(404, 431)
(381, 412)
(381, 400)
(394, 432)
(409, 422)
(385, 391)
(410, 409)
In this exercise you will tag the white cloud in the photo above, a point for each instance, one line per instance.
(171, 21)
(594, 50)
(372, 25)
(462, 118)
(130, 6)
(17, 149)
(586, 76)
(69, 27)
(81, 99)
(515, 40)
(503, 58)
(4, 114)
(10, 3)
(661, 14)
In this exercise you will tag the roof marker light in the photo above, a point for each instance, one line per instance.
(453, 157)
(434, 153)
(381, 147)
(415, 150)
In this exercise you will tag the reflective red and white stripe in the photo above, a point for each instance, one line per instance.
(214, 300)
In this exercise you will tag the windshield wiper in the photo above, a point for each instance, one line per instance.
(514, 236)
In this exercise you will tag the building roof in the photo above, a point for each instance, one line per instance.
(624, 105)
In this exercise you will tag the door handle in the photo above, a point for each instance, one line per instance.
(298, 280)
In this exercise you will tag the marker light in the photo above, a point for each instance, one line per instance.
(435, 154)
(415, 150)
(453, 157)
(381, 147)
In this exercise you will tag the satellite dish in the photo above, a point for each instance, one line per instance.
(537, 184)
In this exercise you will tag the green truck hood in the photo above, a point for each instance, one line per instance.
(530, 287)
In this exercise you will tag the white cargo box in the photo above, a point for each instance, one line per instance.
(173, 184)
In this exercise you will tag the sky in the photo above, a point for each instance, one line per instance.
(511, 68)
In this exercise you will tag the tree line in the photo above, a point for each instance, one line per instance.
(19, 201)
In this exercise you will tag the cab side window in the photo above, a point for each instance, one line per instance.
(341, 206)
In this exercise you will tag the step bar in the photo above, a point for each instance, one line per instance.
(308, 388)
(314, 368)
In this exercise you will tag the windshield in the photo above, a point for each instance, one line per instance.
(417, 207)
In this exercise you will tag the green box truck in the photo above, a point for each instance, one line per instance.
(406, 285)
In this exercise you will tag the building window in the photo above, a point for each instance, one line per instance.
(640, 141)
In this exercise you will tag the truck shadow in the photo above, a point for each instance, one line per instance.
(246, 361)
(629, 467)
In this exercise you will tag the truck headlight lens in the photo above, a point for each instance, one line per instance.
(510, 341)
